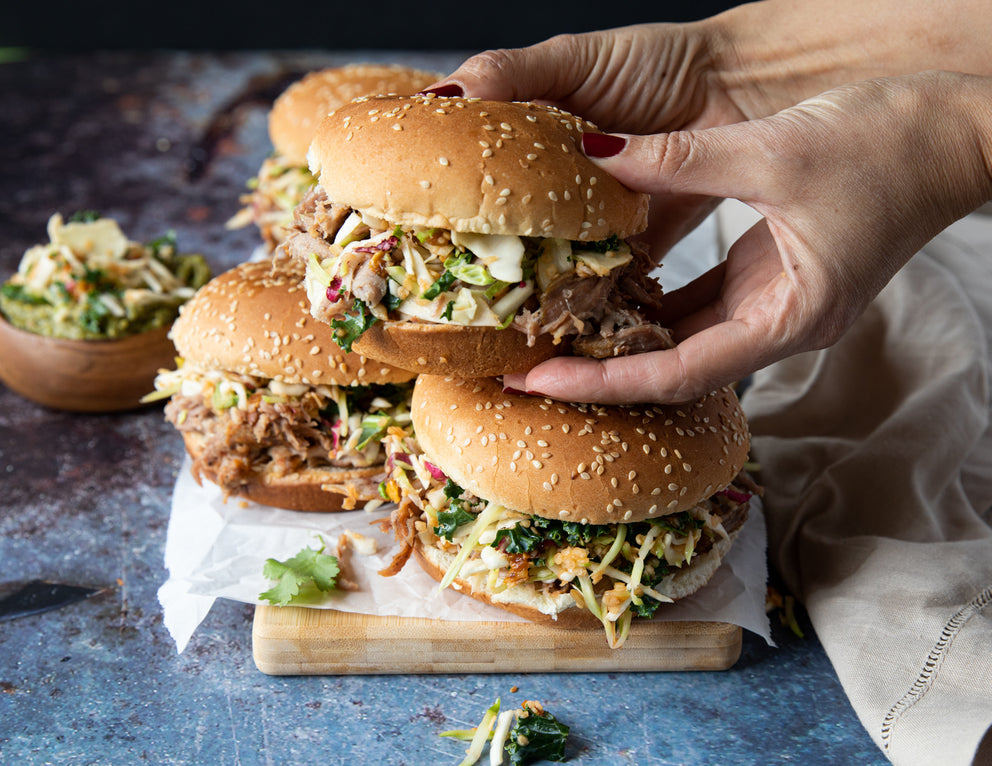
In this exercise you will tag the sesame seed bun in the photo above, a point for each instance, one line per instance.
(487, 167)
(299, 109)
(322, 490)
(590, 464)
(255, 319)
(472, 352)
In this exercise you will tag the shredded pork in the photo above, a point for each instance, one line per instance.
(273, 437)
(604, 315)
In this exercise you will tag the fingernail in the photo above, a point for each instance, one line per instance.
(448, 90)
(600, 145)
(517, 391)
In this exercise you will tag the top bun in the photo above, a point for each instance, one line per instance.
(589, 463)
(300, 108)
(489, 167)
(255, 320)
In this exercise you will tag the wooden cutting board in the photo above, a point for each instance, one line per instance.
(299, 641)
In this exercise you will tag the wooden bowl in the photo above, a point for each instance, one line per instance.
(83, 375)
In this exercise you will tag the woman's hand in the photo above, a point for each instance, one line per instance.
(851, 184)
(639, 79)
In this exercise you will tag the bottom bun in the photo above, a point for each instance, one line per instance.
(447, 349)
(527, 601)
(523, 600)
(321, 490)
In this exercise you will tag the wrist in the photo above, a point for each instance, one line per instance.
(772, 54)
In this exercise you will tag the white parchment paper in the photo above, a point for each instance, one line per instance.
(217, 549)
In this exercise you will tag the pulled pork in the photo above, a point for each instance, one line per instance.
(604, 315)
(238, 444)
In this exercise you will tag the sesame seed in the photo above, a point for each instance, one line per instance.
(487, 153)
(443, 161)
(552, 196)
(426, 184)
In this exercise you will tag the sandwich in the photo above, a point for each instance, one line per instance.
(269, 407)
(572, 514)
(284, 178)
(471, 238)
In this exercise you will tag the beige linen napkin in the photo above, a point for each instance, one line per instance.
(876, 456)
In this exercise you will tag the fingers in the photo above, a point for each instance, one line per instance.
(548, 71)
(702, 363)
(717, 162)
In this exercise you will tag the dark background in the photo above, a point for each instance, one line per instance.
(74, 27)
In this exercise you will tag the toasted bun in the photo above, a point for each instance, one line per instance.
(443, 349)
(300, 108)
(489, 167)
(255, 320)
(319, 490)
(525, 600)
(588, 463)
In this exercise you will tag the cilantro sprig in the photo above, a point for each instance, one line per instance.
(300, 578)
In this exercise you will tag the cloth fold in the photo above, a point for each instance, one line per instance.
(876, 456)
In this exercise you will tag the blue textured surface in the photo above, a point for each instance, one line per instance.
(85, 499)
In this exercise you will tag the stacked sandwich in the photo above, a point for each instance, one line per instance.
(284, 178)
(269, 407)
(463, 240)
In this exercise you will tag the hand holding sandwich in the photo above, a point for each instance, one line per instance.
(843, 211)
(851, 183)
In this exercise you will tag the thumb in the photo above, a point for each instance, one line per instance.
(716, 162)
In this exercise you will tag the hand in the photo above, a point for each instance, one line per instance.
(851, 184)
(748, 62)
(639, 79)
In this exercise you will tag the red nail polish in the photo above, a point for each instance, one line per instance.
(600, 145)
(448, 90)
(517, 391)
